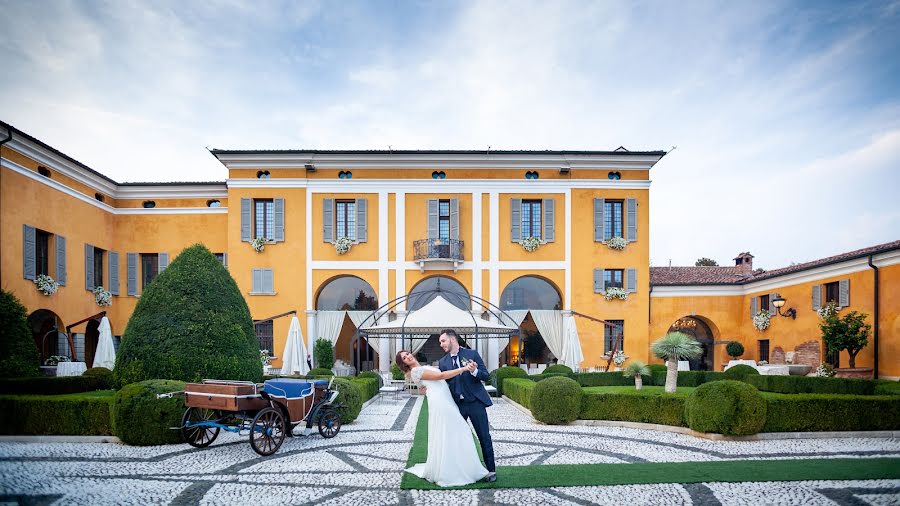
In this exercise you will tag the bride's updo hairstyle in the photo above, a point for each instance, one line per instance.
(403, 367)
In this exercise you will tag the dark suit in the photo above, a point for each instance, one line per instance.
(472, 399)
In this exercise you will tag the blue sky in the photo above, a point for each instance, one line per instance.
(786, 116)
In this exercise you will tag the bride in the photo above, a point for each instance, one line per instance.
(452, 457)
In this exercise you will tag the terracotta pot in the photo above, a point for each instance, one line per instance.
(857, 372)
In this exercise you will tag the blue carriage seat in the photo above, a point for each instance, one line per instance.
(291, 388)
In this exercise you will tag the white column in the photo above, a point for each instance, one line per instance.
(477, 289)
(400, 260)
(384, 348)
(493, 355)
(311, 334)
(567, 303)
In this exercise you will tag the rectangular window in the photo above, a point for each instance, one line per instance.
(42, 252)
(531, 219)
(832, 292)
(264, 333)
(345, 219)
(264, 218)
(763, 303)
(149, 268)
(444, 220)
(613, 335)
(612, 217)
(613, 278)
(220, 257)
(98, 267)
(763, 350)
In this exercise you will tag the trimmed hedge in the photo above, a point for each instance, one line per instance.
(81, 414)
(351, 396)
(558, 368)
(507, 372)
(51, 385)
(556, 400)
(727, 407)
(20, 356)
(101, 373)
(829, 412)
(319, 371)
(648, 405)
(190, 323)
(655, 368)
(740, 371)
(140, 419)
(688, 378)
(519, 390)
(367, 385)
(541, 377)
(811, 385)
(605, 379)
(887, 387)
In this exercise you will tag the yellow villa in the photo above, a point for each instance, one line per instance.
(547, 236)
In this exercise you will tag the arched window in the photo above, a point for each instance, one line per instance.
(427, 289)
(347, 293)
(530, 292)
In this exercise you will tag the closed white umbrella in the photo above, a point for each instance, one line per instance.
(572, 355)
(293, 359)
(106, 351)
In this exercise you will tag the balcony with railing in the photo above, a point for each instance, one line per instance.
(439, 252)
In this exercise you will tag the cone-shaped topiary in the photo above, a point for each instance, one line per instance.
(20, 355)
(190, 323)
(733, 408)
(556, 400)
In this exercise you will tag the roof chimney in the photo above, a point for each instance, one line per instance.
(744, 263)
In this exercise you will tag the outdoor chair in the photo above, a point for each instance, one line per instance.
(390, 386)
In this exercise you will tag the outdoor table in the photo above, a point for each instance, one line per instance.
(773, 370)
(70, 368)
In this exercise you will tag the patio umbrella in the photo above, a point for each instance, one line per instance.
(293, 359)
(106, 351)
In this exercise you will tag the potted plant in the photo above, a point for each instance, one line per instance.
(849, 333)
(734, 349)
(102, 296)
(637, 369)
(531, 244)
(619, 358)
(615, 293)
(673, 347)
(617, 243)
(259, 244)
(761, 320)
(342, 245)
(46, 285)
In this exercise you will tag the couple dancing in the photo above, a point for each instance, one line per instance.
(455, 393)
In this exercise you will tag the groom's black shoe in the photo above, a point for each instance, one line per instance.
(490, 478)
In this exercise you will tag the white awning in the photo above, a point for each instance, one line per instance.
(437, 315)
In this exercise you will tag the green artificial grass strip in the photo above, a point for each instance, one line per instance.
(729, 471)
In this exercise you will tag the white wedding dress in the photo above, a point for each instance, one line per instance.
(452, 457)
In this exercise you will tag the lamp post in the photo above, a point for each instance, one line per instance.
(778, 302)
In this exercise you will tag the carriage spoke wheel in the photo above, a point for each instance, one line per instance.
(199, 437)
(329, 423)
(267, 431)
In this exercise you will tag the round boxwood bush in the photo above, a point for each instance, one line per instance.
(190, 323)
(319, 371)
(739, 372)
(103, 375)
(20, 355)
(734, 349)
(351, 396)
(556, 400)
(140, 419)
(733, 408)
(507, 372)
(559, 368)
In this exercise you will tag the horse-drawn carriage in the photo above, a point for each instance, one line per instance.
(269, 411)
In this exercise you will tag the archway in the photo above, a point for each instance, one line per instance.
(426, 290)
(46, 327)
(523, 294)
(91, 339)
(699, 329)
(351, 294)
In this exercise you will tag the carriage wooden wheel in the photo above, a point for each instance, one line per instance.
(202, 436)
(329, 423)
(267, 431)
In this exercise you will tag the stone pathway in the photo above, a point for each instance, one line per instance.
(364, 463)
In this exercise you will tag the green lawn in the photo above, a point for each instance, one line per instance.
(568, 475)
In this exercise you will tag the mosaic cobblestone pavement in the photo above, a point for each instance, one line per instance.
(364, 463)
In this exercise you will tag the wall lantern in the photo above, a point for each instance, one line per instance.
(778, 302)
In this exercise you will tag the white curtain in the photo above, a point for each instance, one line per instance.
(293, 360)
(518, 316)
(572, 355)
(550, 324)
(360, 319)
(329, 325)
(105, 356)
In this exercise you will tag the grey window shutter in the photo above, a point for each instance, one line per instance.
(817, 297)
(631, 225)
(131, 259)
(454, 219)
(328, 220)
(246, 219)
(256, 284)
(599, 281)
(549, 210)
(844, 292)
(631, 280)
(268, 281)
(772, 309)
(61, 260)
(754, 301)
(163, 262)
(362, 220)
(88, 267)
(225, 260)
(113, 273)
(29, 263)
(599, 223)
(515, 220)
(433, 219)
(278, 211)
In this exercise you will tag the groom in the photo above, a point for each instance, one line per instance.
(469, 393)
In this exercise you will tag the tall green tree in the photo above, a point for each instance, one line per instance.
(706, 262)
(850, 332)
(19, 357)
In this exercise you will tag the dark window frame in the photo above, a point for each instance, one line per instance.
(611, 334)
(530, 208)
(763, 303)
(348, 222)
(267, 220)
(613, 219)
(41, 252)
(832, 292)
(265, 335)
(609, 278)
(763, 348)
(444, 219)
(98, 267)
(151, 259)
